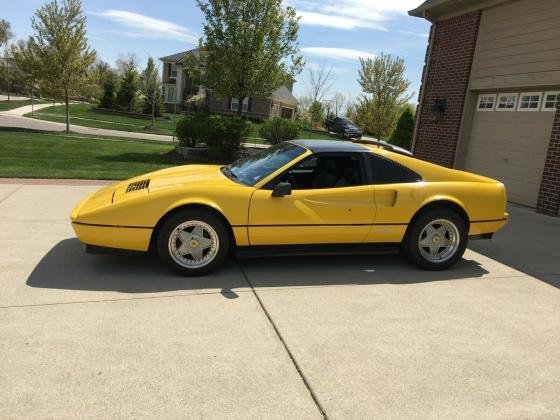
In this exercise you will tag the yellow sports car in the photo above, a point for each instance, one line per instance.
(329, 196)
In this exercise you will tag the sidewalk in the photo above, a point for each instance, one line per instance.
(15, 118)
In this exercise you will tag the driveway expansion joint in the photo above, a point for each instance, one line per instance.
(11, 193)
(285, 345)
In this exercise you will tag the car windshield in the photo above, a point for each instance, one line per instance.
(253, 169)
(347, 121)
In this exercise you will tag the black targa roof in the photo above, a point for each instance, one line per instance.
(321, 146)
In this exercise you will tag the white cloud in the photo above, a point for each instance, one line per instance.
(146, 26)
(351, 14)
(333, 21)
(420, 34)
(344, 54)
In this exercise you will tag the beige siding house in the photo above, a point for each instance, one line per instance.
(179, 90)
(499, 60)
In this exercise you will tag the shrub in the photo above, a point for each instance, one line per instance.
(277, 130)
(187, 130)
(402, 136)
(222, 134)
(109, 93)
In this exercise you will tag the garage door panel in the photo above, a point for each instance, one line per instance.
(511, 147)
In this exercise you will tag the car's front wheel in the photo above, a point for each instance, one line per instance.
(436, 240)
(193, 242)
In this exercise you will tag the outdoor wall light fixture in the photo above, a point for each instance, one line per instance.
(438, 108)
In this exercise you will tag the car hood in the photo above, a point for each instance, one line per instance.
(178, 176)
(175, 177)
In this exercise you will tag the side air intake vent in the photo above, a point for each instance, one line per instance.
(138, 185)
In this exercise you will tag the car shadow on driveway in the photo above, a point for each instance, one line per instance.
(67, 266)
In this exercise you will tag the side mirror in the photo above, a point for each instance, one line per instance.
(282, 189)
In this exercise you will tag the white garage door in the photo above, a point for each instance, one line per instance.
(511, 147)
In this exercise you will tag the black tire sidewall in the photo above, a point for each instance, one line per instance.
(410, 245)
(175, 220)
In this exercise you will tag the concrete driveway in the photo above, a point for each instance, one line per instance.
(346, 337)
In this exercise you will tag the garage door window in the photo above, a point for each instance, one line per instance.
(530, 101)
(506, 102)
(486, 102)
(551, 100)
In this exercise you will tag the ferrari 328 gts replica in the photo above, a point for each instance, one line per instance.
(308, 195)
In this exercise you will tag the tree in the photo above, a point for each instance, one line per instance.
(129, 87)
(5, 35)
(25, 58)
(319, 82)
(110, 85)
(402, 136)
(338, 102)
(124, 62)
(316, 112)
(151, 89)
(302, 114)
(384, 92)
(60, 46)
(5, 32)
(249, 47)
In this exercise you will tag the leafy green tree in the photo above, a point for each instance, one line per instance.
(384, 92)
(402, 136)
(110, 85)
(129, 87)
(5, 35)
(151, 90)
(249, 47)
(316, 112)
(25, 58)
(60, 46)
(5, 32)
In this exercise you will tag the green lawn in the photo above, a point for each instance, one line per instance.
(42, 155)
(6, 106)
(83, 114)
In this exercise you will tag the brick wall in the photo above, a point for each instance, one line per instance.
(449, 69)
(549, 193)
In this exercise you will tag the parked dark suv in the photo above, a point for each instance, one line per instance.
(344, 128)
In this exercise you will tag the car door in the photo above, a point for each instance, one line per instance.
(330, 202)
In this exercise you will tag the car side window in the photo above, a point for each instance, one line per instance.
(385, 171)
(326, 171)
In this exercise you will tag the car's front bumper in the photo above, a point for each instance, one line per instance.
(123, 237)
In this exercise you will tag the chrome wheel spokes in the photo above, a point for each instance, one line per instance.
(193, 244)
(439, 240)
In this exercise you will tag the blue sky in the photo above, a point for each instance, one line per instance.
(332, 32)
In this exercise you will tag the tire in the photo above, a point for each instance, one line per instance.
(436, 227)
(205, 245)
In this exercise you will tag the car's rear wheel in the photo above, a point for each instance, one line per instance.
(436, 240)
(193, 242)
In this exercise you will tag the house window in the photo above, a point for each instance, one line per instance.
(529, 101)
(173, 72)
(287, 112)
(551, 100)
(486, 102)
(235, 104)
(506, 102)
(170, 95)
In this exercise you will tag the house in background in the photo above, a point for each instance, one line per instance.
(490, 95)
(178, 88)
